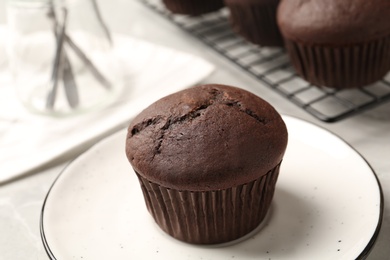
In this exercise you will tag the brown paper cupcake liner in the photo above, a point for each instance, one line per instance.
(350, 66)
(256, 24)
(210, 217)
(194, 7)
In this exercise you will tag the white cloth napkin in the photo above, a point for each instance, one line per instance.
(28, 141)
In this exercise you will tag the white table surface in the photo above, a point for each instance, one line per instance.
(21, 200)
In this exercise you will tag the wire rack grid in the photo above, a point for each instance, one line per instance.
(272, 67)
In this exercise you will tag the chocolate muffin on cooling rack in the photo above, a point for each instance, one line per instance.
(255, 20)
(193, 7)
(337, 44)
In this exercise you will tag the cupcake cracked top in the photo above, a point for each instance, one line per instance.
(334, 21)
(205, 138)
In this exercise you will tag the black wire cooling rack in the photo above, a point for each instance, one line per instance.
(272, 67)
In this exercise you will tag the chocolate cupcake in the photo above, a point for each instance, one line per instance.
(193, 7)
(337, 44)
(255, 20)
(207, 159)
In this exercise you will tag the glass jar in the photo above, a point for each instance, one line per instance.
(61, 56)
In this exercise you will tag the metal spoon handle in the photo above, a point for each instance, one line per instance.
(51, 98)
(101, 21)
(97, 74)
(70, 85)
(68, 78)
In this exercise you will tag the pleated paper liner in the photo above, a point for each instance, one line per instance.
(193, 7)
(256, 23)
(210, 217)
(349, 66)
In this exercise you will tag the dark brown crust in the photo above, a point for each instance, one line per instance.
(256, 21)
(334, 21)
(193, 7)
(206, 138)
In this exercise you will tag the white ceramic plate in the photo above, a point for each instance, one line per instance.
(328, 205)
